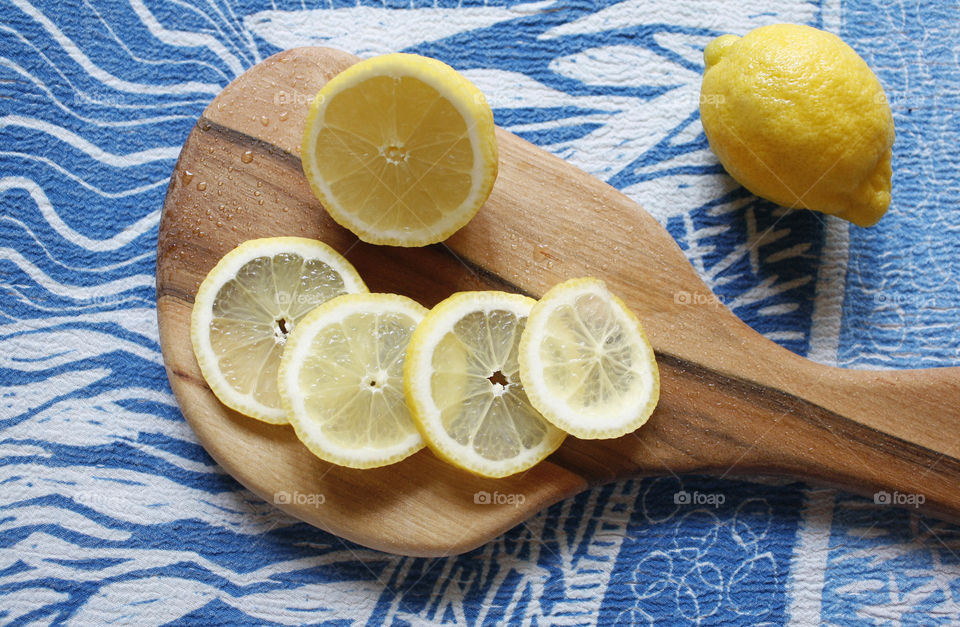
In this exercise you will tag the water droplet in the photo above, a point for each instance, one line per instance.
(264, 120)
(222, 207)
(219, 223)
(205, 126)
(286, 209)
(259, 202)
(283, 116)
(186, 176)
(258, 193)
(246, 157)
(202, 185)
(259, 183)
(199, 233)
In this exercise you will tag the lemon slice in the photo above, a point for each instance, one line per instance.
(586, 363)
(341, 380)
(400, 149)
(247, 305)
(463, 388)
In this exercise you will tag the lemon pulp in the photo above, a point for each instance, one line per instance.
(586, 362)
(463, 385)
(400, 149)
(248, 304)
(341, 380)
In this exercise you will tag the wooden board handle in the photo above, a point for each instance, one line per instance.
(714, 424)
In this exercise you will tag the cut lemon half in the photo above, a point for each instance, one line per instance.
(586, 363)
(463, 388)
(247, 305)
(400, 149)
(341, 380)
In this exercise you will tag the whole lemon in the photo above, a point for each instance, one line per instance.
(797, 117)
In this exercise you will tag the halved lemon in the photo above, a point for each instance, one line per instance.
(247, 305)
(341, 380)
(463, 388)
(400, 149)
(586, 363)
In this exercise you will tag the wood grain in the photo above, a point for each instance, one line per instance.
(732, 403)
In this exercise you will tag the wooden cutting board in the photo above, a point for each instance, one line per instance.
(732, 402)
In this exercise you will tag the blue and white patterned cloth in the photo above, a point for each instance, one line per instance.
(111, 512)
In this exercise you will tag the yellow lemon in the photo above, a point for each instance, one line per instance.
(462, 382)
(585, 361)
(797, 117)
(341, 380)
(248, 304)
(400, 149)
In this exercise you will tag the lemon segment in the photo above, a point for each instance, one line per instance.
(400, 149)
(248, 304)
(462, 384)
(797, 117)
(341, 380)
(586, 363)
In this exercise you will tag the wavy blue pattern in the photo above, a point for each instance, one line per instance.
(903, 291)
(110, 511)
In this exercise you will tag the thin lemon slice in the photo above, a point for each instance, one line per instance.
(586, 362)
(341, 380)
(463, 387)
(247, 305)
(400, 149)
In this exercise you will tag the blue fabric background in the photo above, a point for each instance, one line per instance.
(110, 510)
